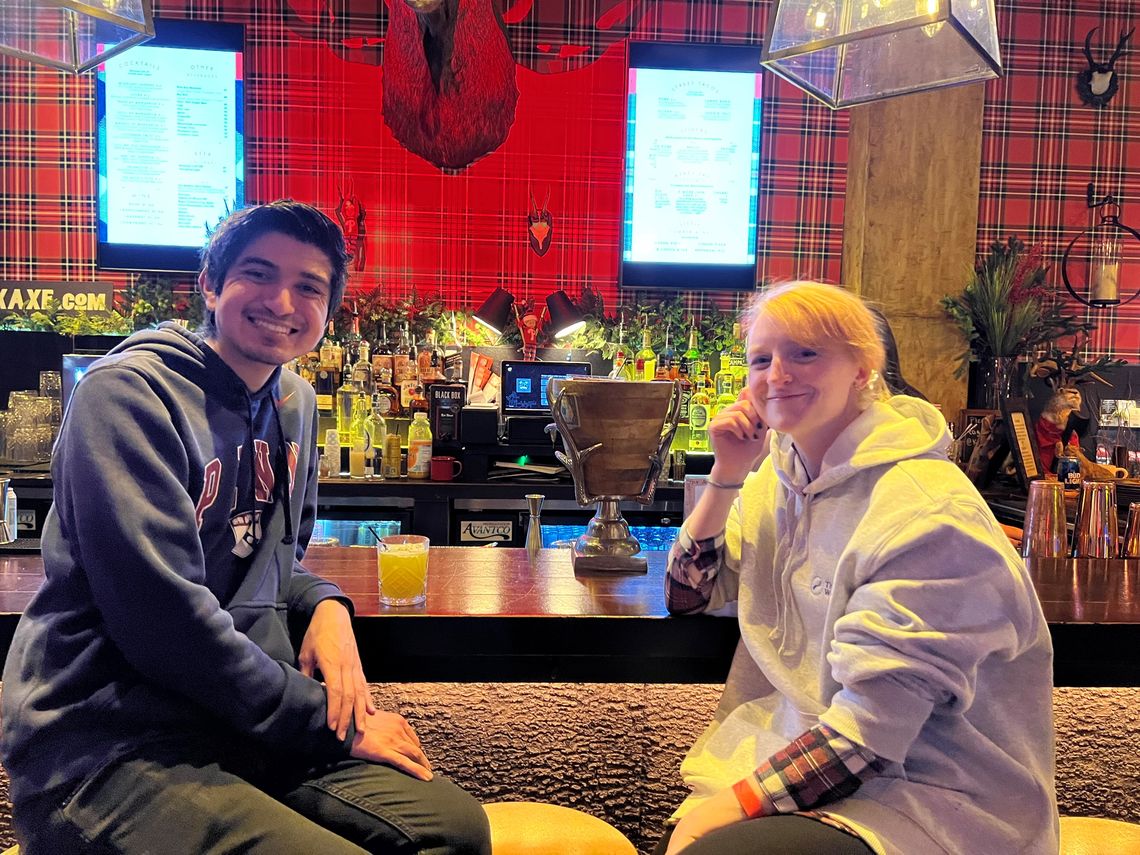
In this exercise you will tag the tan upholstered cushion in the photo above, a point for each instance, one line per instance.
(532, 828)
(1090, 835)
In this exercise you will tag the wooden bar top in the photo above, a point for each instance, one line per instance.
(493, 615)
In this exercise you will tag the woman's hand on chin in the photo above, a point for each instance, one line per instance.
(739, 440)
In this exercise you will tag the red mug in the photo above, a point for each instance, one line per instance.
(444, 468)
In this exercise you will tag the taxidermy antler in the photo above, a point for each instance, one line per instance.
(1098, 83)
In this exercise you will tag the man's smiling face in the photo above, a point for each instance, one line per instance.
(272, 307)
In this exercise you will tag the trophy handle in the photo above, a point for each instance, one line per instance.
(573, 460)
(657, 459)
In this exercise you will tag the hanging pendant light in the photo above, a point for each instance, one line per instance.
(847, 52)
(1102, 246)
(73, 35)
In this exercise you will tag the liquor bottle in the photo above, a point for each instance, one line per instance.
(693, 355)
(382, 355)
(666, 361)
(400, 363)
(386, 395)
(337, 355)
(699, 414)
(623, 365)
(328, 350)
(436, 358)
(738, 359)
(412, 372)
(424, 364)
(327, 376)
(686, 393)
(724, 383)
(419, 447)
(345, 397)
(375, 437)
(645, 362)
(357, 450)
(418, 402)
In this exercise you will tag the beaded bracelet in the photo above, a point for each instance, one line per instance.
(721, 486)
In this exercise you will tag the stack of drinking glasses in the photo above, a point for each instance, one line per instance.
(30, 424)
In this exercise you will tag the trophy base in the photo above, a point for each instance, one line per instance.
(609, 563)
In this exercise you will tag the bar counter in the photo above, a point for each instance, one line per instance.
(494, 616)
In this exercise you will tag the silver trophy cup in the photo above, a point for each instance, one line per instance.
(615, 436)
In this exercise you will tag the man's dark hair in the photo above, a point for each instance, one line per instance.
(295, 219)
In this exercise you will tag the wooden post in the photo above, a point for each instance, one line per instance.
(911, 221)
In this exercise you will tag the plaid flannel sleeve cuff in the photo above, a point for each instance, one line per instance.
(819, 767)
(693, 565)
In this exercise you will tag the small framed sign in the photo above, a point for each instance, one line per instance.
(1019, 431)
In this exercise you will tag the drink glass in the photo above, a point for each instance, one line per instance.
(401, 562)
(1046, 533)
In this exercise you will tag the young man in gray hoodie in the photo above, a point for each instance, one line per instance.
(153, 699)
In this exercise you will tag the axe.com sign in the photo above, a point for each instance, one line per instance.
(24, 298)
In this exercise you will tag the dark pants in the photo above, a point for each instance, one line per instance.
(774, 835)
(166, 803)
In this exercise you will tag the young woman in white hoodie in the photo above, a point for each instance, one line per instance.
(892, 690)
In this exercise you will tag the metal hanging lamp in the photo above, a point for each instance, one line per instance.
(1104, 255)
(73, 35)
(847, 52)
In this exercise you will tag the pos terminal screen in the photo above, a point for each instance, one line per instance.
(524, 384)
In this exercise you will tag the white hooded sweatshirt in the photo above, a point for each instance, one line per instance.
(884, 600)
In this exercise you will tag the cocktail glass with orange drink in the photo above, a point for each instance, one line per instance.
(401, 562)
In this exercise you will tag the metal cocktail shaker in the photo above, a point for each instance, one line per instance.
(1131, 546)
(1046, 530)
(1095, 535)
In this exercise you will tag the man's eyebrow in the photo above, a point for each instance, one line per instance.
(265, 262)
(256, 259)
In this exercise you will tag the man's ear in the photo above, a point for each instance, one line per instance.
(208, 293)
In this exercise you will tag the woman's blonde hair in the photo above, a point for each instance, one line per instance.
(816, 314)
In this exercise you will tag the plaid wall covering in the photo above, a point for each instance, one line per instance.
(314, 88)
(1041, 146)
(314, 82)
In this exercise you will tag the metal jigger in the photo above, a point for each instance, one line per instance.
(615, 436)
(534, 524)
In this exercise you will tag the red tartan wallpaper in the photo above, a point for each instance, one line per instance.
(315, 87)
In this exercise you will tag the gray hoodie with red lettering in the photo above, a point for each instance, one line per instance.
(172, 560)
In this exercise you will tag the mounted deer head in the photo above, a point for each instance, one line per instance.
(1097, 84)
(540, 225)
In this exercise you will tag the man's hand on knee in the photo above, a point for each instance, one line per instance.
(392, 741)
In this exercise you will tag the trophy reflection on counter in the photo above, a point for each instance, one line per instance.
(615, 436)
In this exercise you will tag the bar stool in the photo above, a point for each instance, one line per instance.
(533, 828)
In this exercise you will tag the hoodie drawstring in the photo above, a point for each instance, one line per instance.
(281, 472)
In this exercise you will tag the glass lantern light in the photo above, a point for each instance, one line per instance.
(73, 35)
(1101, 248)
(847, 52)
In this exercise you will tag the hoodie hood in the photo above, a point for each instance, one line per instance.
(900, 428)
(188, 353)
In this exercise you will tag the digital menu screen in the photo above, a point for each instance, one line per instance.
(692, 166)
(170, 142)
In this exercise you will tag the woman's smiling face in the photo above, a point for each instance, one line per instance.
(810, 392)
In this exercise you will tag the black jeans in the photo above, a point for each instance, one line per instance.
(167, 803)
(774, 835)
